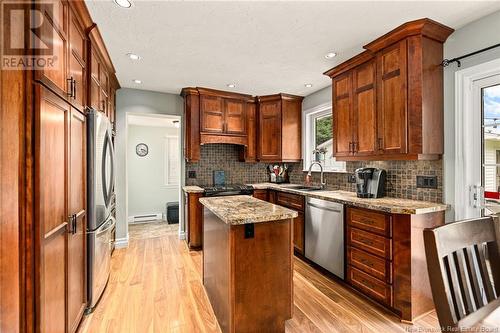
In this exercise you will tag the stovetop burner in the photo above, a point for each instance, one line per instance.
(231, 189)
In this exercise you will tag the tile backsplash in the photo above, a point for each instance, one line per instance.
(401, 175)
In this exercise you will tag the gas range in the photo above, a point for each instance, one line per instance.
(223, 190)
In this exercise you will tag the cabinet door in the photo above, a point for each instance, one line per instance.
(342, 115)
(298, 233)
(270, 131)
(51, 139)
(365, 109)
(77, 45)
(95, 95)
(212, 114)
(77, 207)
(391, 108)
(54, 32)
(250, 151)
(235, 117)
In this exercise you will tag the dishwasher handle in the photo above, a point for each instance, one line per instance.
(324, 207)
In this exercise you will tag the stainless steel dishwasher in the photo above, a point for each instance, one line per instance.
(325, 235)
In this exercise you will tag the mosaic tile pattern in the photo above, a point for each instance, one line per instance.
(401, 175)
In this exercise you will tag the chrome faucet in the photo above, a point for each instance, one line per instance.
(309, 174)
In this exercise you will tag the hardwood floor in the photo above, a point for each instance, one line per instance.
(155, 286)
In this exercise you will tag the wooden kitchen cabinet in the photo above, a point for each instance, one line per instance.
(45, 172)
(102, 80)
(269, 141)
(388, 100)
(386, 259)
(342, 115)
(60, 159)
(194, 218)
(77, 64)
(55, 35)
(280, 128)
(295, 202)
(249, 152)
(215, 116)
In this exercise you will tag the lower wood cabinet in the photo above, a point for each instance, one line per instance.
(294, 202)
(60, 205)
(386, 259)
(194, 220)
(261, 194)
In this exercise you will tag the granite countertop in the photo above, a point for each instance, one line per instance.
(386, 204)
(192, 189)
(244, 209)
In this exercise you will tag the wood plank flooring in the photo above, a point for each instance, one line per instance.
(155, 286)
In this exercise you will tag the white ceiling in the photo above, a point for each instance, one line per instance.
(152, 120)
(262, 47)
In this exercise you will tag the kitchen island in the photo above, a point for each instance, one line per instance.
(247, 263)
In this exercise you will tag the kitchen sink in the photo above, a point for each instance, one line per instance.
(305, 188)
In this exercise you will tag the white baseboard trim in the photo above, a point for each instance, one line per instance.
(182, 235)
(145, 218)
(121, 242)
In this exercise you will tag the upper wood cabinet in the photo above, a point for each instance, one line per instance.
(280, 119)
(101, 76)
(388, 100)
(268, 128)
(249, 152)
(214, 116)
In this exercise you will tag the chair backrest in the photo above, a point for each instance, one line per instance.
(464, 267)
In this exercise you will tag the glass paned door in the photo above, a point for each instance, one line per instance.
(490, 171)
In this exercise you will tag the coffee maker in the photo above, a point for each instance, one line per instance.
(370, 182)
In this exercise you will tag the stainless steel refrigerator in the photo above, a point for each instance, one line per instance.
(100, 201)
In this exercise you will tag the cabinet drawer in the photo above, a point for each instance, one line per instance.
(372, 287)
(260, 194)
(369, 242)
(373, 265)
(369, 220)
(289, 200)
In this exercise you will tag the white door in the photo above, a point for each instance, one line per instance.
(479, 160)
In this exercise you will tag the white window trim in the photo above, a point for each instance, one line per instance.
(307, 127)
(166, 166)
(468, 144)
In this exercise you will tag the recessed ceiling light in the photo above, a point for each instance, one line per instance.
(231, 85)
(330, 55)
(137, 81)
(133, 56)
(308, 85)
(123, 3)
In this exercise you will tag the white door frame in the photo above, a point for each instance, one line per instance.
(467, 142)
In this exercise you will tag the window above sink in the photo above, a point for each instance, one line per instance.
(318, 139)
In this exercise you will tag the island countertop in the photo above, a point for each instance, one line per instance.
(244, 209)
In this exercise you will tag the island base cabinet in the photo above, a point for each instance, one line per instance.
(247, 273)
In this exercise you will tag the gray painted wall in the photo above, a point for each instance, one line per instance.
(147, 192)
(133, 101)
(474, 36)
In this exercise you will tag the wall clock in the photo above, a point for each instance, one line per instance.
(141, 149)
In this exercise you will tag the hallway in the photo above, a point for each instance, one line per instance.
(155, 286)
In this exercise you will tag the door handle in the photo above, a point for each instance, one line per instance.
(379, 143)
(74, 89)
(71, 87)
(350, 148)
(72, 224)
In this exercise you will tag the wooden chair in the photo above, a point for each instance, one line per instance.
(463, 262)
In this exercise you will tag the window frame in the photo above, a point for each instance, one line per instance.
(167, 182)
(308, 134)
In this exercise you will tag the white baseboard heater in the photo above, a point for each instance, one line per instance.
(145, 218)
